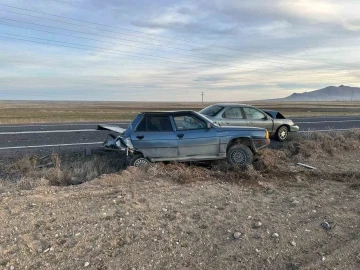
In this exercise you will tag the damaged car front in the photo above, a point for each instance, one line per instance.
(184, 136)
(122, 141)
(232, 114)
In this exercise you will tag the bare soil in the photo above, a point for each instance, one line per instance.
(178, 216)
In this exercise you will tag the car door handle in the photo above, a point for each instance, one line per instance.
(140, 137)
(180, 135)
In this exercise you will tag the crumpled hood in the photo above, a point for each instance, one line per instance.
(116, 129)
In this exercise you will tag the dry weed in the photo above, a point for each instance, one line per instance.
(320, 144)
(30, 171)
(186, 174)
(27, 171)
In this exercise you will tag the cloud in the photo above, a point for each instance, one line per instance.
(231, 50)
(185, 18)
(173, 16)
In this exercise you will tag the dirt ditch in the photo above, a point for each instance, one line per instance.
(272, 215)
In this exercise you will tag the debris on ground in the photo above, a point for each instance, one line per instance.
(306, 166)
(326, 226)
(237, 235)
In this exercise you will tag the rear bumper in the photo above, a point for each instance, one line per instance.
(294, 128)
(260, 144)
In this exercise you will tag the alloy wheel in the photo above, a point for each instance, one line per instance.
(141, 161)
(238, 157)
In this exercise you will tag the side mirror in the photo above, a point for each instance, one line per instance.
(266, 117)
(208, 125)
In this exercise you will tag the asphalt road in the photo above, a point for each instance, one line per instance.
(17, 140)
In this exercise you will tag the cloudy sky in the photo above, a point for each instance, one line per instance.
(163, 50)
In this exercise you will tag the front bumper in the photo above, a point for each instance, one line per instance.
(294, 128)
(115, 143)
(260, 144)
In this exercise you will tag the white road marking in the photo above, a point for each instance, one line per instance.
(98, 143)
(47, 145)
(62, 124)
(318, 122)
(326, 117)
(46, 131)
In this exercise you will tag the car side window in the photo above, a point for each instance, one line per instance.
(233, 113)
(154, 124)
(188, 122)
(253, 114)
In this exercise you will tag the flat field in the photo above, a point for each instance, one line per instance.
(19, 112)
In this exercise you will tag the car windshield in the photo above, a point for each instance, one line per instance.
(211, 110)
(207, 119)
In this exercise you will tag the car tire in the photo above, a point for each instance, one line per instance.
(240, 155)
(138, 160)
(282, 133)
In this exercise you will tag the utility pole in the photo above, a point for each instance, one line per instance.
(202, 98)
(352, 95)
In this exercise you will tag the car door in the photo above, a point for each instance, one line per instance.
(233, 116)
(257, 118)
(155, 137)
(195, 138)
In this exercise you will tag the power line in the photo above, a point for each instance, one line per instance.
(90, 27)
(85, 26)
(106, 49)
(87, 33)
(110, 51)
(136, 31)
(122, 51)
(127, 45)
(278, 62)
(100, 24)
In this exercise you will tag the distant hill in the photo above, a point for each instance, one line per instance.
(330, 93)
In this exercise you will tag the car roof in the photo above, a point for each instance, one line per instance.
(232, 104)
(168, 112)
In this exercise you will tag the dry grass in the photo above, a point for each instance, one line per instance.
(317, 144)
(312, 148)
(54, 112)
(16, 112)
(32, 171)
(270, 165)
(185, 174)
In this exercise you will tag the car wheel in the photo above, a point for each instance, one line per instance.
(138, 160)
(282, 133)
(239, 154)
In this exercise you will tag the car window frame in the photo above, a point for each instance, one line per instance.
(146, 129)
(191, 115)
(241, 111)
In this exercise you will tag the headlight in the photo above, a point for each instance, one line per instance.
(267, 136)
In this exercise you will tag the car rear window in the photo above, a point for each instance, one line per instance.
(211, 110)
(154, 123)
